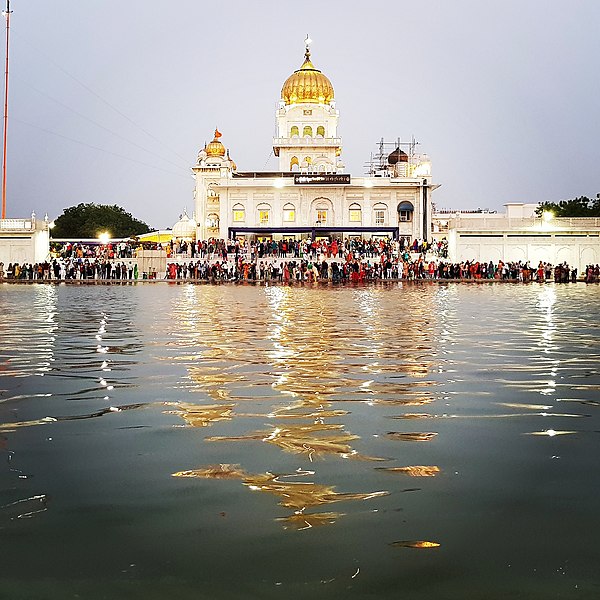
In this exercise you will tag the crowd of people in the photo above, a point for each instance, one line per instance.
(337, 260)
(111, 251)
(303, 249)
(219, 249)
(387, 268)
(69, 269)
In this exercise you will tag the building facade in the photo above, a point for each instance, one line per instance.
(24, 241)
(310, 195)
(519, 235)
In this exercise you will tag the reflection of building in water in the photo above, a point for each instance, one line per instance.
(214, 353)
(295, 374)
(310, 194)
(294, 494)
(317, 365)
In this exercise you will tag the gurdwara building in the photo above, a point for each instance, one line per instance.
(311, 194)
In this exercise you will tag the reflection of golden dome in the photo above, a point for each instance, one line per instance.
(215, 148)
(307, 84)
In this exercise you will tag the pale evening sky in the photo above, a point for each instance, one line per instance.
(110, 101)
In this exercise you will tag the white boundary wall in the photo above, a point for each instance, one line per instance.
(24, 241)
(578, 249)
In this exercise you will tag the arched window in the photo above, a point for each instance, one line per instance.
(212, 221)
(294, 164)
(320, 131)
(380, 214)
(289, 213)
(355, 213)
(264, 214)
(308, 160)
(239, 213)
(321, 212)
(405, 211)
(294, 131)
(307, 132)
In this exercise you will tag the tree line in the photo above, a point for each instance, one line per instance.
(90, 220)
(576, 207)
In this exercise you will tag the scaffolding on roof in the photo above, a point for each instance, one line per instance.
(378, 165)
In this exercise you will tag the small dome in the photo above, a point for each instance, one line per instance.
(307, 84)
(397, 156)
(215, 148)
(185, 228)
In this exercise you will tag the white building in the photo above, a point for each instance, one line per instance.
(519, 235)
(24, 241)
(310, 195)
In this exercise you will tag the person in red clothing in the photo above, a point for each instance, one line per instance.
(541, 272)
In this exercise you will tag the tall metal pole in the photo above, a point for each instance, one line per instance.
(7, 16)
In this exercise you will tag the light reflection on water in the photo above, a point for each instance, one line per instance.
(129, 417)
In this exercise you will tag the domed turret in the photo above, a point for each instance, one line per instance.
(185, 228)
(307, 84)
(397, 156)
(215, 148)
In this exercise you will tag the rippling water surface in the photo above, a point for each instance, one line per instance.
(194, 441)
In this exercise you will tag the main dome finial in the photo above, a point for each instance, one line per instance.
(307, 43)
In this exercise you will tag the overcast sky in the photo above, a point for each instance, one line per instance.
(110, 100)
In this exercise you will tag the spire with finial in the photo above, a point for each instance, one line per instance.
(307, 43)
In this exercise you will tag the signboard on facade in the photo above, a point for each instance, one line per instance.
(322, 179)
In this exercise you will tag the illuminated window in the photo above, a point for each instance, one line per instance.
(308, 160)
(322, 216)
(263, 216)
(294, 164)
(355, 213)
(289, 213)
(239, 214)
(320, 131)
(307, 131)
(294, 131)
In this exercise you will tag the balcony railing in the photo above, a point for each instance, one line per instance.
(307, 142)
(17, 225)
(495, 223)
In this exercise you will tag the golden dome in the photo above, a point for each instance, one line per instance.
(215, 148)
(307, 84)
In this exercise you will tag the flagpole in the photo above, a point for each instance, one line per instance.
(7, 16)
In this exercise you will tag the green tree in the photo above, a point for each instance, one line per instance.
(89, 220)
(576, 207)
